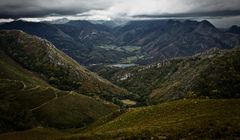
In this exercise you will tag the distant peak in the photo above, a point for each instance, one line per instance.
(206, 23)
(234, 29)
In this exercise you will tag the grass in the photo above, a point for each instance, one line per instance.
(72, 111)
(190, 119)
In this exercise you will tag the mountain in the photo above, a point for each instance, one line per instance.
(212, 74)
(32, 72)
(173, 38)
(234, 29)
(58, 69)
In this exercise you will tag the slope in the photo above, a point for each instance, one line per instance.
(28, 101)
(183, 119)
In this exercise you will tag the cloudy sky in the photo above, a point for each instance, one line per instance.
(220, 12)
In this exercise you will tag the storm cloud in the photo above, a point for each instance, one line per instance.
(112, 9)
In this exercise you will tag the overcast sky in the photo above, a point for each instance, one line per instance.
(37, 10)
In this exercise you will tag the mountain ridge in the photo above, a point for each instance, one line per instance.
(157, 39)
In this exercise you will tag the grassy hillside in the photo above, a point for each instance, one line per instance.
(184, 119)
(27, 100)
(58, 69)
(213, 74)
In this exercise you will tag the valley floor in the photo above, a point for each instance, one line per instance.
(182, 119)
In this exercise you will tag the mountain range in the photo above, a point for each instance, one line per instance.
(89, 43)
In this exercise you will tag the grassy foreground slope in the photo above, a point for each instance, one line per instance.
(190, 119)
(182, 119)
(28, 101)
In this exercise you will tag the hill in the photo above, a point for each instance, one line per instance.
(213, 74)
(29, 66)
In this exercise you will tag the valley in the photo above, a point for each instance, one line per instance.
(149, 79)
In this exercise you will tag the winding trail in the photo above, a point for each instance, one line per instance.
(55, 98)
(10, 80)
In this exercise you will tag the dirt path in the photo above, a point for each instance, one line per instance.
(55, 98)
(35, 108)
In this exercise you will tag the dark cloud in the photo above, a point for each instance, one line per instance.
(110, 9)
(38, 8)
